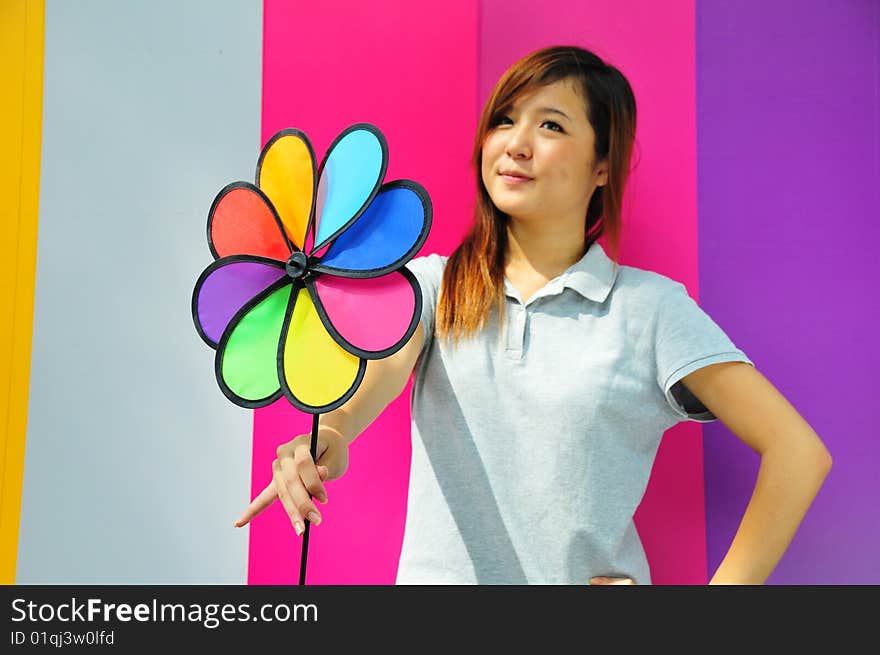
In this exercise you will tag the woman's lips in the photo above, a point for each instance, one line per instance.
(515, 179)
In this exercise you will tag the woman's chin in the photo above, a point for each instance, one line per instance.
(512, 209)
(526, 220)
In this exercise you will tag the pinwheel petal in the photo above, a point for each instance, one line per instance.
(246, 364)
(242, 221)
(389, 232)
(349, 308)
(348, 179)
(224, 288)
(286, 174)
(318, 374)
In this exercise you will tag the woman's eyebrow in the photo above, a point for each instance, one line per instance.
(553, 110)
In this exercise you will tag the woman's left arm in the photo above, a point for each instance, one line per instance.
(794, 464)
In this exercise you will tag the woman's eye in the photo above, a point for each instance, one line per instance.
(503, 120)
(556, 127)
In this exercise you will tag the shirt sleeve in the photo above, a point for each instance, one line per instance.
(428, 271)
(686, 338)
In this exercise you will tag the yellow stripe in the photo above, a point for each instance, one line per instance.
(21, 88)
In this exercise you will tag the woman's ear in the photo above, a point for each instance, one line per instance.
(602, 173)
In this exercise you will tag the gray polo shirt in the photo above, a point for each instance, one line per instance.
(531, 452)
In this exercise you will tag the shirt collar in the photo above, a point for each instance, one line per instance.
(593, 275)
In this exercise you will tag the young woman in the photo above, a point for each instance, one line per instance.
(546, 373)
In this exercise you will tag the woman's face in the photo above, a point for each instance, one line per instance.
(537, 161)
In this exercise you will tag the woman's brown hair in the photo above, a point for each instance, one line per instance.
(473, 282)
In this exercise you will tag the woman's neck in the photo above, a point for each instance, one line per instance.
(542, 250)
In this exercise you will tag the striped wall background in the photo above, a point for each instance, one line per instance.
(757, 185)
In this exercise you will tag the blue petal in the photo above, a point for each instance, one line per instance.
(387, 234)
(350, 176)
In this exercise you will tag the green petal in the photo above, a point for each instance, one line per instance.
(250, 358)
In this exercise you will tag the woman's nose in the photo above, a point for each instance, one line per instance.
(518, 146)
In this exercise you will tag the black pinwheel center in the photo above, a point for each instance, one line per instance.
(297, 265)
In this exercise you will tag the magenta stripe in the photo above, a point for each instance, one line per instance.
(409, 69)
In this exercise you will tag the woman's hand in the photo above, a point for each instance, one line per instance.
(295, 475)
(606, 580)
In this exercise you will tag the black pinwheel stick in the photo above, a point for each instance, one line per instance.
(313, 448)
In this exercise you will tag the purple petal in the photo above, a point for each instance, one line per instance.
(224, 288)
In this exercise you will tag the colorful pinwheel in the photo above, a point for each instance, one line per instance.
(309, 278)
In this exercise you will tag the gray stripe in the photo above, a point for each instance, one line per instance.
(136, 465)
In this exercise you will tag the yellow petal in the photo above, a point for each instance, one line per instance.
(317, 370)
(286, 176)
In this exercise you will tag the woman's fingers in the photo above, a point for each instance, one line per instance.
(309, 474)
(295, 472)
(294, 478)
(287, 497)
(599, 580)
(265, 498)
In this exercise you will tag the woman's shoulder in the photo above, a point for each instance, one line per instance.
(431, 263)
(429, 259)
(428, 270)
(644, 286)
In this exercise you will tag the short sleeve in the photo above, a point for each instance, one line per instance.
(428, 270)
(686, 338)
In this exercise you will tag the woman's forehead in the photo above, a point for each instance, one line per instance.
(559, 94)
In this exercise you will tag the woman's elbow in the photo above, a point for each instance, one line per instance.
(817, 460)
(824, 461)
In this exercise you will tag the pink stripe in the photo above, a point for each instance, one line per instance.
(408, 68)
(653, 44)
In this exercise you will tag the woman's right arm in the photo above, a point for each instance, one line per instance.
(295, 476)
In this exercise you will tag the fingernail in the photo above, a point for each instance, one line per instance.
(323, 498)
(298, 527)
(315, 518)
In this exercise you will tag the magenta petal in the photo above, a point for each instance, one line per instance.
(372, 314)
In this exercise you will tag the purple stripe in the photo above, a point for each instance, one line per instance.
(788, 174)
